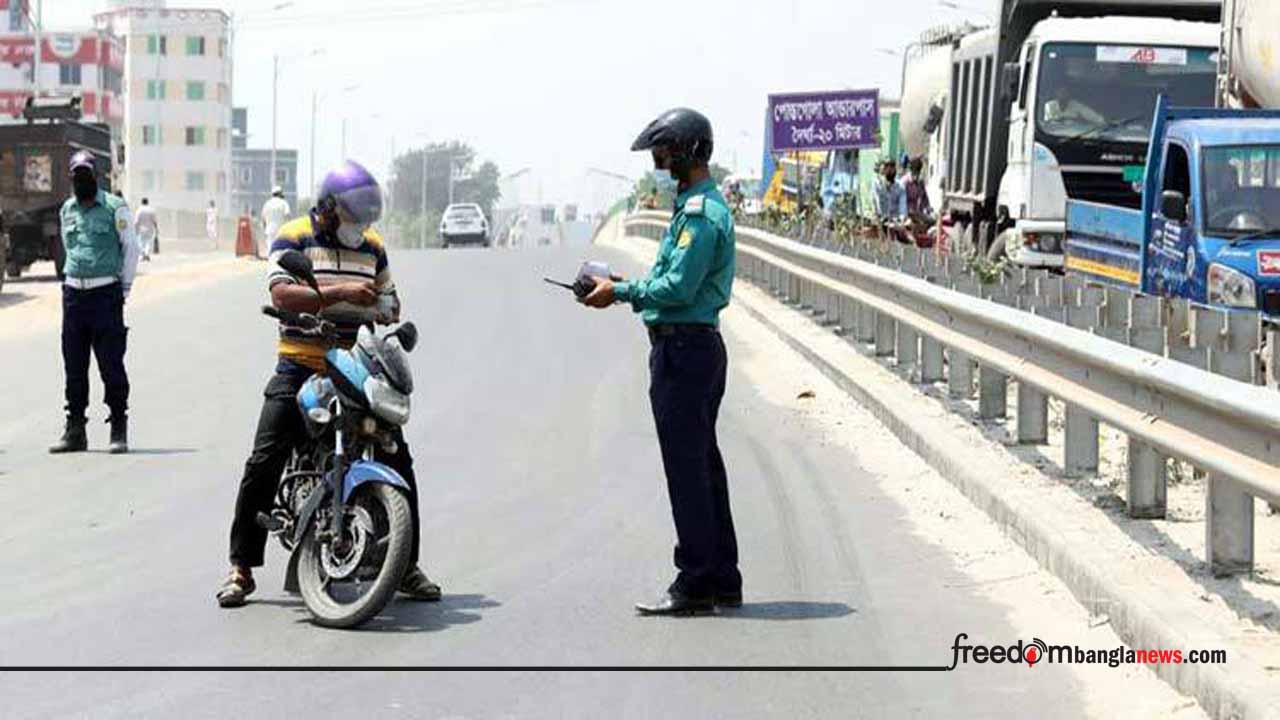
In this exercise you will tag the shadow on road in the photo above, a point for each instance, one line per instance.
(788, 610)
(9, 299)
(151, 451)
(405, 616)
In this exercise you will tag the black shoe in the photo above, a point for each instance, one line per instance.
(119, 435)
(729, 599)
(674, 603)
(74, 439)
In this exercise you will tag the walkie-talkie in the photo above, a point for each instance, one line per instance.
(583, 284)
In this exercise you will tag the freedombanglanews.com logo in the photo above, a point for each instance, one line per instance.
(1038, 651)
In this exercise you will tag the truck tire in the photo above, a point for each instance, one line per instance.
(4, 259)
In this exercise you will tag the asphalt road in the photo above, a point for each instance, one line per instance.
(545, 517)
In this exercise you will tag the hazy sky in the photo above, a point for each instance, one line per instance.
(553, 85)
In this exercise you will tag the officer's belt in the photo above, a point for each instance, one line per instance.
(90, 283)
(662, 330)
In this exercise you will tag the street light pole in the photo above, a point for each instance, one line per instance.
(275, 82)
(422, 243)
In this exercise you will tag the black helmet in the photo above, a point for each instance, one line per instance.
(687, 132)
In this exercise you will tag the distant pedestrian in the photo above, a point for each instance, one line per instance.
(680, 302)
(101, 260)
(275, 213)
(211, 224)
(147, 230)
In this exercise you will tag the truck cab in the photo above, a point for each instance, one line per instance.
(1081, 116)
(1209, 228)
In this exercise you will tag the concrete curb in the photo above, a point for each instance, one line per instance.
(1070, 553)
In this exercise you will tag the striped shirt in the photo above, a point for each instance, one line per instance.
(333, 263)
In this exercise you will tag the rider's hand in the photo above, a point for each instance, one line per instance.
(601, 296)
(357, 293)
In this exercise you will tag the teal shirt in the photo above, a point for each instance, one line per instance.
(691, 280)
(91, 237)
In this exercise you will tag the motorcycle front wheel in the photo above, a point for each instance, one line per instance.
(345, 582)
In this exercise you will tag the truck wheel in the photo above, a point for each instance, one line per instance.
(4, 261)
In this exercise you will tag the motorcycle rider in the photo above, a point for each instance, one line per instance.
(352, 270)
(889, 201)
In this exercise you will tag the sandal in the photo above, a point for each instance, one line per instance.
(418, 586)
(237, 588)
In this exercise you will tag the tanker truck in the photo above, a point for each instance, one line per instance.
(1249, 68)
(1056, 103)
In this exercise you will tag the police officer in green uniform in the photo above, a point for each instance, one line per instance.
(680, 302)
(101, 259)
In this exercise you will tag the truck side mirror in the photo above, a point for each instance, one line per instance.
(1173, 205)
(1010, 75)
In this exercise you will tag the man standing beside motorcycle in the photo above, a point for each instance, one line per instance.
(351, 262)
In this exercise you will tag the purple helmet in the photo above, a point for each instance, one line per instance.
(352, 191)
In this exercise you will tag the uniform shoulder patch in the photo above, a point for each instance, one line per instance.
(122, 224)
(685, 239)
(695, 205)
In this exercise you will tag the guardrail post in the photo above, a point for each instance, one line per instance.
(1273, 358)
(993, 389)
(960, 368)
(1229, 507)
(1033, 416)
(885, 334)
(1147, 487)
(908, 350)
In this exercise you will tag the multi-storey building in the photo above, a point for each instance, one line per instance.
(177, 106)
(87, 64)
(251, 180)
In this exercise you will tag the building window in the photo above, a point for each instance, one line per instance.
(195, 90)
(222, 47)
(155, 89)
(68, 74)
(195, 180)
(148, 180)
(222, 138)
(195, 45)
(222, 182)
(222, 93)
(246, 176)
(112, 80)
(150, 134)
(156, 45)
(282, 176)
(195, 136)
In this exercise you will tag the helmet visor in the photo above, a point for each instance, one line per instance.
(361, 205)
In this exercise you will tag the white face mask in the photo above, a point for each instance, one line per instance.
(664, 179)
(351, 236)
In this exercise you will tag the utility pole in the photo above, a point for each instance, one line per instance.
(312, 187)
(275, 82)
(423, 242)
(37, 32)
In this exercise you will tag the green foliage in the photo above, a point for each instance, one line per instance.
(986, 271)
(471, 184)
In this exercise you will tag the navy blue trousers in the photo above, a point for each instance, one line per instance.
(93, 321)
(687, 377)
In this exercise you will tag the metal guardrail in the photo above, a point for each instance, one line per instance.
(937, 323)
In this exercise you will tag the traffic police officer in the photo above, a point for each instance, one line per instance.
(680, 302)
(101, 259)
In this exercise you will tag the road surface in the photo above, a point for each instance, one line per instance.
(545, 517)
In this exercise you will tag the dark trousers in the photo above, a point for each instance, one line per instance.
(93, 320)
(687, 376)
(280, 430)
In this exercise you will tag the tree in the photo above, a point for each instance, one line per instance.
(478, 185)
(719, 173)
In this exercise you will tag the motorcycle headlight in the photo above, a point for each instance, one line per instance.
(1231, 287)
(386, 402)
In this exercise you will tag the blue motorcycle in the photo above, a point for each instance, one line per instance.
(344, 518)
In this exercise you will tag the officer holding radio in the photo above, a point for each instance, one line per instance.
(680, 302)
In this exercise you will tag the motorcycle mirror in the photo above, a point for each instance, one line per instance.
(408, 334)
(299, 265)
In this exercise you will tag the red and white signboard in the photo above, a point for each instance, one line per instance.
(1141, 55)
(1269, 262)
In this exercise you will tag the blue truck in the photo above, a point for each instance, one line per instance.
(1209, 227)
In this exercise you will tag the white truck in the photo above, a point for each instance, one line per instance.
(1249, 64)
(1057, 103)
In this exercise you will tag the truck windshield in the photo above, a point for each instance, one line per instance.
(1109, 92)
(1241, 189)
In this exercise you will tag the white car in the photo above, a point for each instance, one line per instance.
(464, 223)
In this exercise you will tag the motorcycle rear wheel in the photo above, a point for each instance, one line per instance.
(388, 509)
